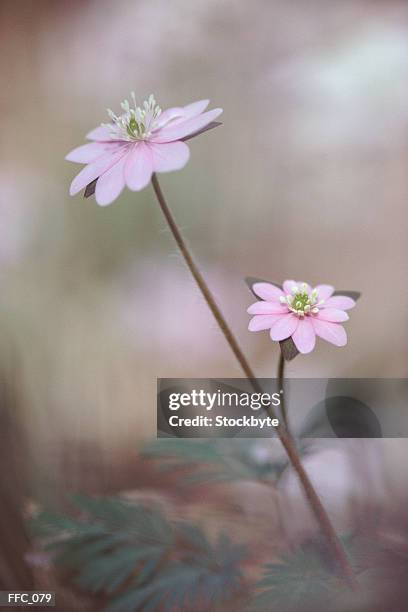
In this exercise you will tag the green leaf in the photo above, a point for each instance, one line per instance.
(301, 578)
(109, 572)
(211, 460)
(118, 548)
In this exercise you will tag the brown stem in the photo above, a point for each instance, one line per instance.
(281, 377)
(320, 513)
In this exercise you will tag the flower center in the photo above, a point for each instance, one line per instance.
(301, 302)
(136, 122)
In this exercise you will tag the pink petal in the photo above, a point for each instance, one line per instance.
(332, 314)
(267, 308)
(100, 133)
(95, 169)
(170, 114)
(109, 186)
(178, 114)
(267, 291)
(342, 302)
(87, 153)
(184, 128)
(169, 156)
(261, 322)
(289, 284)
(284, 327)
(304, 337)
(332, 332)
(195, 108)
(324, 291)
(139, 167)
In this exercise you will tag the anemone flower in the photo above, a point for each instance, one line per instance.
(301, 313)
(135, 144)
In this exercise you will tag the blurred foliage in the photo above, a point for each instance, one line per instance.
(301, 581)
(306, 580)
(215, 460)
(138, 559)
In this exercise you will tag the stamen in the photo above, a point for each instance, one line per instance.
(302, 301)
(136, 123)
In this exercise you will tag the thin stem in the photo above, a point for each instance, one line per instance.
(320, 513)
(281, 385)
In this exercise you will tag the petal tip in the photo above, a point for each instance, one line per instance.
(73, 190)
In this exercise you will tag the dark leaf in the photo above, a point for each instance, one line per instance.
(210, 126)
(90, 189)
(341, 417)
(288, 348)
(350, 418)
(355, 295)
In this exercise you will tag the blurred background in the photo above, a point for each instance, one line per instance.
(307, 178)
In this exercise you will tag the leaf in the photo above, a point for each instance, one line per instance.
(118, 548)
(90, 189)
(289, 349)
(210, 126)
(110, 571)
(81, 549)
(180, 587)
(194, 536)
(341, 417)
(301, 579)
(48, 523)
(350, 418)
(355, 295)
(210, 460)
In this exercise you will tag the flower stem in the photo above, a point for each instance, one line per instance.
(333, 543)
(281, 385)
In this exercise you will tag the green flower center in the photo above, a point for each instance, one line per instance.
(301, 302)
(136, 122)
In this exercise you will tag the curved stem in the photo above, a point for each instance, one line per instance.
(333, 543)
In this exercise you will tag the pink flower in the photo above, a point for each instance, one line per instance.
(301, 313)
(136, 143)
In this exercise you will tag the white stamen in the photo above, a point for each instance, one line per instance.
(136, 123)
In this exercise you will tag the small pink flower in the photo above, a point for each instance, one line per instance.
(136, 143)
(301, 313)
